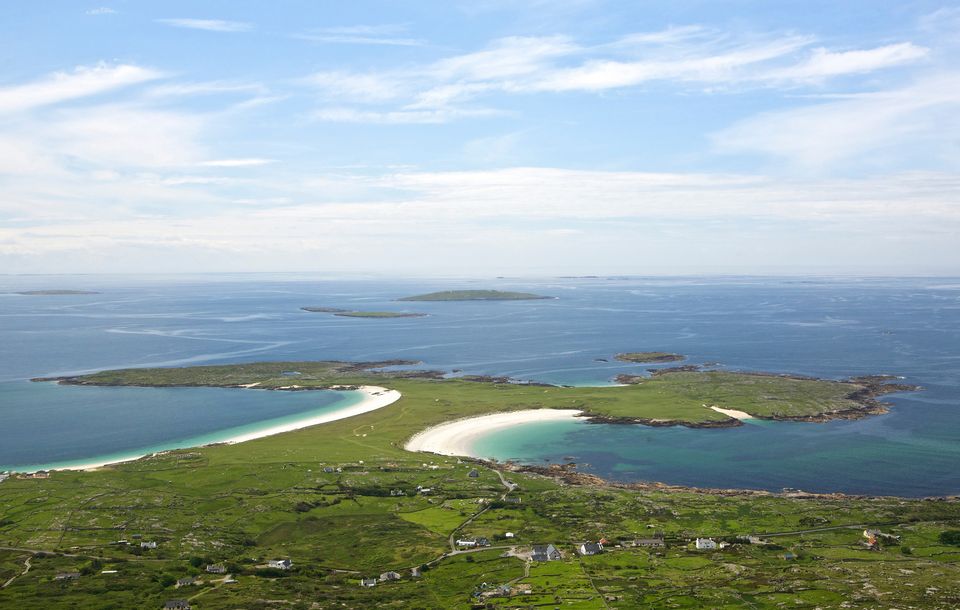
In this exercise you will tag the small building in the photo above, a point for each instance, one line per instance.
(389, 576)
(414, 572)
(590, 548)
(481, 541)
(509, 535)
(467, 543)
(186, 582)
(655, 543)
(368, 582)
(108, 572)
(280, 564)
(705, 544)
(545, 552)
(67, 576)
(216, 569)
(148, 545)
(473, 474)
(177, 604)
(751, 539)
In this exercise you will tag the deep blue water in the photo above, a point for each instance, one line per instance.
(824, 327)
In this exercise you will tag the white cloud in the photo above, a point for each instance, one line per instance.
(824, 63)
(396, 117)
(64, 86)
(210, 25)
(688, 56)
(916, 119)
(126, 136)
(386, 34)
(482, 219)
(247, 162)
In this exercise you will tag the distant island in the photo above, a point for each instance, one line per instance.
(49, 293)
(649, 357)
(378, 314)
(346, 313)
(476, 295)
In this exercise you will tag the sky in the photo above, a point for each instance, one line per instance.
(480, 137)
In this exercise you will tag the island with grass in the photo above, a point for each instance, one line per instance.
(476, 295)
(366, 523)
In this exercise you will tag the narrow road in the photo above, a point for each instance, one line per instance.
(26, 568)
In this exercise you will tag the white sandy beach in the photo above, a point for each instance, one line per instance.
(457, 437)
(741, 415)
(375, 398)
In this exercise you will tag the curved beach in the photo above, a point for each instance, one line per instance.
(458, 437)
(375, 397)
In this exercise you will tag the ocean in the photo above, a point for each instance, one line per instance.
(825, 327)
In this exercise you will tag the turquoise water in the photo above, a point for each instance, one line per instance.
(76, 425)
(825, 327)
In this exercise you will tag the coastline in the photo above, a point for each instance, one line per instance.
(456, 438)
(374, 397)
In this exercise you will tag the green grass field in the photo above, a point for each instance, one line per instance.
(242, 505)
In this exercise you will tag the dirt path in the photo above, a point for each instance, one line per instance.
(26, 568)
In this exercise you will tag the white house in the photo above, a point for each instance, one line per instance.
(705, 544)
(467, 543)
(280, 564)
(590, 548)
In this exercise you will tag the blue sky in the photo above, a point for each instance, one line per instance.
(480, 138)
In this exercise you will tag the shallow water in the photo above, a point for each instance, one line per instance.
(823, 327)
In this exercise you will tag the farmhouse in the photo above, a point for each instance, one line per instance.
(389, 576)
(590, 548)
(216, 569)
(546, 552)
(186, 582)
(177, 604)
(280, 564)
(651, 543)
(705, 544)
(368, 582)
(467, 543)
(148, 545)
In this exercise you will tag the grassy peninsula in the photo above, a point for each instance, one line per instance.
(671, 397)
(344, 501)
(475, 295)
